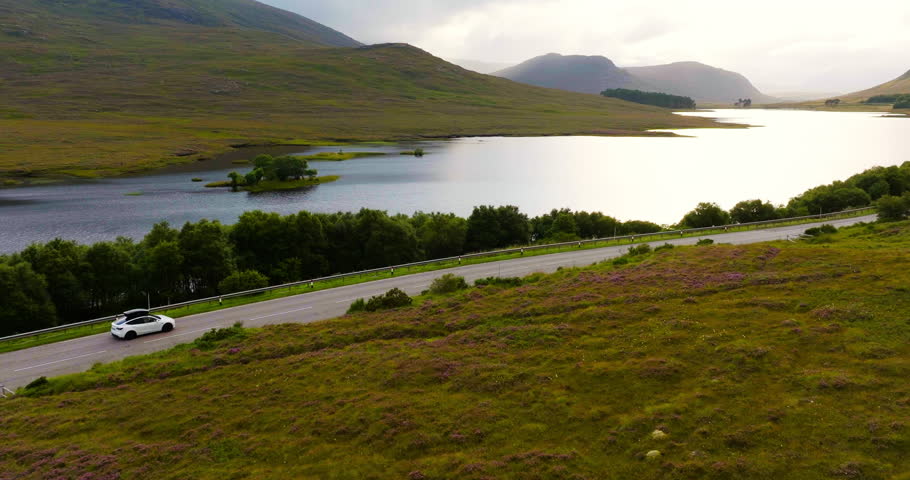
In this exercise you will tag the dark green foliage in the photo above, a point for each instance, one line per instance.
(705, 215)
(666, 246)
(448, 283)
(441, 235)
(24, 302)
(394, 298)
(207, 255)
(891, 208)
(902, 102)
(749, 211)
(216, 336)
(507, 282)
(704, 242)
(418, 152)
(825, 229)
(650, 98)
(638, 250)
(282, 169)
(359, 305)
(62, 263)
(243, 281)
(860, 190)
(887, 98)
(496, 227)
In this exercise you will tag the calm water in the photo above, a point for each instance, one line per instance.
(657, 179)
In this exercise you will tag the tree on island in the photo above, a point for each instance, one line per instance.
(833, 102)
(282, 169)
(743, 102)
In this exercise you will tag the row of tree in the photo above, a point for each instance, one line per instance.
(650, 98)
(61, 281)
(860, 190)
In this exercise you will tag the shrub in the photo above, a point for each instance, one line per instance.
(666, 246)
(243, 281)
(213, 337)
(418, 152)
(394, 298)
(620, 261)
(358, 305)
(892, 208)
(642, 249)
(820, 230)
(448, 283)
(37, 383)
(499, 281)
(705, 241)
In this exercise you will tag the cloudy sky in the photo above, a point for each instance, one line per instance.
(792, 45)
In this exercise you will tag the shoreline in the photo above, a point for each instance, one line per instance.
(11, 180)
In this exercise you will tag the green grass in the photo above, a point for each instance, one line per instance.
(339, 156)
(77, 332)
(768, 361)
(106, 97)
(133, 194)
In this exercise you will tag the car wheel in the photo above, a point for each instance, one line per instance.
(130, 335)
(167, 327)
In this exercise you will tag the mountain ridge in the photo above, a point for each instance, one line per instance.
(593, 74)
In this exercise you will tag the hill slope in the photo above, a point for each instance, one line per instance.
(33, 18)
(900, 84)
(764, 361)
(703, 83)
(575, 73)
(89, 93)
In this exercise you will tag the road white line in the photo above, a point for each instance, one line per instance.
(58, 361)
(282, 313)
(180, 334)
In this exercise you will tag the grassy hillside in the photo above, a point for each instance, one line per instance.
(105, 87)
(898, 85)
(770, 361)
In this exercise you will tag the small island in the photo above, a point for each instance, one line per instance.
(286, 172)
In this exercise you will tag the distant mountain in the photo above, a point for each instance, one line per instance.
(227, 14)
(576, 73)
(594, 74)
(900, 84)
(703, 83)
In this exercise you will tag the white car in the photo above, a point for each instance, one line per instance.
(140, 322)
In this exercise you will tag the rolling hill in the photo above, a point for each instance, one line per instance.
(103, 87)
(900, 85)
(768, 361)
(575, 73)
(594, 74)
(703, 83)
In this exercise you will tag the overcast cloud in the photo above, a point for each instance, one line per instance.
(835, 46)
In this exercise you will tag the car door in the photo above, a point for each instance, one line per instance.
(149, 325)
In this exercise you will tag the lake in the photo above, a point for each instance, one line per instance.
(656, 179)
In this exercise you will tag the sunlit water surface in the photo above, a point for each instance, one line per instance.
(656, 179)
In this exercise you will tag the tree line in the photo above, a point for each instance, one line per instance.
(650, 98)
(62, 281)
(873, 186)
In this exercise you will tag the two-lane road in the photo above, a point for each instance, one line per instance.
(21, 367)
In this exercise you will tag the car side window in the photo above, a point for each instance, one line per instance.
(137, 321)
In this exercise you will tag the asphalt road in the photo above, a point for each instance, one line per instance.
(21, 367)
